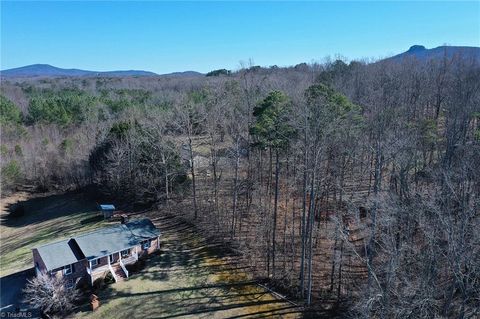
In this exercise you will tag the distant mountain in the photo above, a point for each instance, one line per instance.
(423, 54)
(46, 70)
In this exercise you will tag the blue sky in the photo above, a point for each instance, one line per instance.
(175, 36)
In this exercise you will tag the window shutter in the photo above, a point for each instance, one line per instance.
(73, 268)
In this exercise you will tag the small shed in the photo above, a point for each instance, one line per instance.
(107, 210)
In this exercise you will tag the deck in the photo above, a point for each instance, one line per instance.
(117, 269)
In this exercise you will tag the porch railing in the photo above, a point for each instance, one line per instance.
(113, 272)
(98, 269)
(133, 258)
(124, 268)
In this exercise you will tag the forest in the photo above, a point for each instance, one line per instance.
(351, 186)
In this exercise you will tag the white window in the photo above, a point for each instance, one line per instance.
(125, 252)
(67, 270)
(146, 244)
(110, 258)
(94, 262)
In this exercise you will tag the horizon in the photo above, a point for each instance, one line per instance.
(234, 70)
(191, 36)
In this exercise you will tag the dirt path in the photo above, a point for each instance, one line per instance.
(190, 279)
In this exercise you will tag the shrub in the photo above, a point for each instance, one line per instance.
(109, 279)
(66, 146)
(18, 150)
(98, 284)
(11, 172)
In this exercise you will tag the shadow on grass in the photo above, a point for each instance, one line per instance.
(204, 310)
(90, 220)
(190, 277)
(201, 299)
(270, 313)
(40, 209)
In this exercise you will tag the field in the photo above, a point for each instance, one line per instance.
(190, 278)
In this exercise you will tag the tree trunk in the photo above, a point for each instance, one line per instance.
(303, 221)
(235, 191)
(275, 208)
(192, 171)
(311, 213)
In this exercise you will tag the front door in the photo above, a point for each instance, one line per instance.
(125, 253)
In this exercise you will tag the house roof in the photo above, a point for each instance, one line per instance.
(143, 228)
(57, 254)
(101, 242)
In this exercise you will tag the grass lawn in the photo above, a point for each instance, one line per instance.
(190, 278)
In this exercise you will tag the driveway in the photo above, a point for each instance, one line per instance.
(11, 295)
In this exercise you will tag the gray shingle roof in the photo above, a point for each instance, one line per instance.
(101, 242)
(143, 228)
(56, 255)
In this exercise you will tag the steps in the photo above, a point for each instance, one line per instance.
(119, 274)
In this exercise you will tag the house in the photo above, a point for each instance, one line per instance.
(93, 255)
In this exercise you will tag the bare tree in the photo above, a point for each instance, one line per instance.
(50, 295)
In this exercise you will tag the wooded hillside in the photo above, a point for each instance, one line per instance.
(353, 187)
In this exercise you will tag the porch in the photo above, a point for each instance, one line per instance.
(115, 264)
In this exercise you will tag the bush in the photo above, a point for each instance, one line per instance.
(98, 284)
(11, 173)
(109, 279)
(18, 150)
(66, 146)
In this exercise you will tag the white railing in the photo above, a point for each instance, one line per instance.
(98, 269)
(89, 271)
(124, 268)
(113, 272)
(130, 259)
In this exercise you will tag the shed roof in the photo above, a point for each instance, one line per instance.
(101, 242)
(107, 207)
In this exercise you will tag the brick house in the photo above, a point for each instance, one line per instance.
(93, 255)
